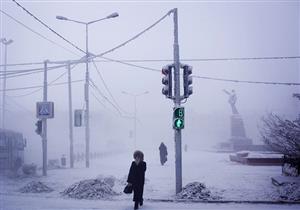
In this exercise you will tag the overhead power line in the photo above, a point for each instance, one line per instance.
(171, 60)
(134, 37)
(199, 59)
(19, 73)
(247, 81)
(37, 33)
(48, 27)
(39, 86)
(207, 78)
(39, 89)
(105, 85)
(21, 107)
(152, 69)
(99, 101)
(95, 87)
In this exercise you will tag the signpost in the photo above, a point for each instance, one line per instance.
(172, 71)
(44, 110)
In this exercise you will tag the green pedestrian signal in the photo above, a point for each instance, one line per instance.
(178, 118)
(178, 124)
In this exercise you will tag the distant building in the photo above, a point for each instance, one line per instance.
(12, 146)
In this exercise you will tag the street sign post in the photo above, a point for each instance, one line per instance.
(45, 110)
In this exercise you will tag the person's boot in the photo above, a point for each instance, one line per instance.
(136, 205)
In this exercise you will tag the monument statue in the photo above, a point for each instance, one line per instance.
(238, 139)
(232, 100)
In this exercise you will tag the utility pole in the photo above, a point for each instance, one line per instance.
(5, 42)
(86, 85)
(135, 121)
(87, 103)
(70, 118)
(44, 122)
(177, 99)
(135, 110)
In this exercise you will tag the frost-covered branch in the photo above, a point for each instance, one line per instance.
(282, 135)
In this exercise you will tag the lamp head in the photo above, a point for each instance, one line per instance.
(113, 15)
(61, 17)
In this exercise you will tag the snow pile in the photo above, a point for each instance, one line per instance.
(195, 191)
(288, 170)
(110, 180)
(289, 191)
(90, 189)
(35, 187)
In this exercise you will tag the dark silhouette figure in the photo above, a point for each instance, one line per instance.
(163, 152)
(185, 147)
(136, 178)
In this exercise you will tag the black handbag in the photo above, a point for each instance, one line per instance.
(128, 189)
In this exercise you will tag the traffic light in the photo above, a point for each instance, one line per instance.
(78, 118)
(39, 127)
(178, 118)
(187, 80)
(167, 81)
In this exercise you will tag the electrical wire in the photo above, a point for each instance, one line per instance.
(21, 106)
(105, 85)
(147, 68)
(56, 33)
(199, 59)
(170, 60)
(132, 65)
(28, 72)
(22, 64)
(208, 78)
(37, 33)
(247, 81)
(35, 91)
(134, 37)
(93, 85)
(40, 86)
(99, 101)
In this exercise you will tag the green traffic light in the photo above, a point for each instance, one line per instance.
(179, 123)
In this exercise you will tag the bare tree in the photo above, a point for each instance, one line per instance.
(282, 135)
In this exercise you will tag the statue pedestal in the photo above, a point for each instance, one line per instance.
(238, 139)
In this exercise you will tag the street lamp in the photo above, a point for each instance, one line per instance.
(5, 42)
(86, 87)
(135, 96)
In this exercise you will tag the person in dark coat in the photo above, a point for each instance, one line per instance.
(163, 152)
(136, 177)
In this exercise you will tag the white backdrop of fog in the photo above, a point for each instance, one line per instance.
(206, 30)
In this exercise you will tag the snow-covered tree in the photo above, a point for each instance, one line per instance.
(282, 135)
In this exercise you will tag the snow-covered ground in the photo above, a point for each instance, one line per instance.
(34, 203)
(229, 180)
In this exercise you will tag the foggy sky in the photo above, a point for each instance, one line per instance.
(206, 30)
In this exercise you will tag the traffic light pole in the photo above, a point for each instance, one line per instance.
(44, 123)
(177, 99)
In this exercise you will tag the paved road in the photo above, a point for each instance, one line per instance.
(26, 202)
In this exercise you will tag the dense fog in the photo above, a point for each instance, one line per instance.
(206, 30)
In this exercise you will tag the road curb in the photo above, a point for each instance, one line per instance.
(225, 201)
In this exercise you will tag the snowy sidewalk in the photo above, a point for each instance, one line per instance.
(9, 202)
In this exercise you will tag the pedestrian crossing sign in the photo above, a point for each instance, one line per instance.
(45, 110)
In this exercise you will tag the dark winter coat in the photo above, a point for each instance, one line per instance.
(163, 152)
(136, 177)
